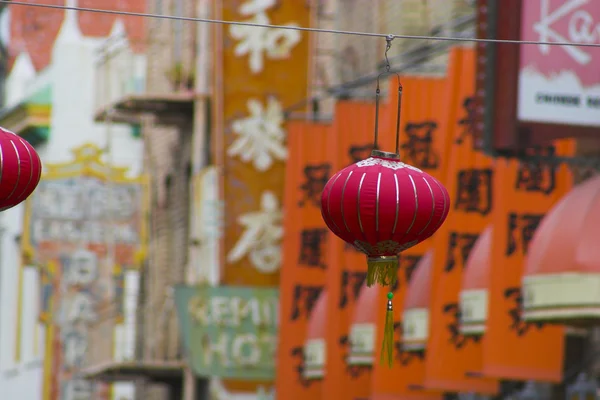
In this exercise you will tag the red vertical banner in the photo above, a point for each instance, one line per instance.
(470, 184)
(304, 264)
(523, 193)
(423, 144)
(351, 141)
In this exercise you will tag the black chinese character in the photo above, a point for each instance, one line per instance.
(537, 176)
(358, 153)
(298, 353)
(418, 146)
(456, 338)
(409, 263)
(352, 282)
(474, 190)
(312, 247)
(305, 298)
(402, 356)
(316, 179)
(518, 325)
(526, 224)
(468, 123)
(463, 242)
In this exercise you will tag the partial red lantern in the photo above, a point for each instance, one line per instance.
(20, 169)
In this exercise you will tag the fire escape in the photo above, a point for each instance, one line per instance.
(151, 87)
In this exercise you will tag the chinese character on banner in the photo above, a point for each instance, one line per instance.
(260, 137)
(456, 338)
(468, 123)
(403, 356)
(261, 239)
(537, 176)
(257, 43)
(474, 190)
(312, 246)
(358, 153)
(418, 146)
(316, 177)
(518, 325)
(305, 299)
(523, 226)
(352, 282)
(461, 243)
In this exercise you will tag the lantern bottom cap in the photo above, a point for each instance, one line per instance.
(382, 270)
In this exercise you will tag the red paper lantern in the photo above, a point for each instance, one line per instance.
(383, 206)
(20, 169)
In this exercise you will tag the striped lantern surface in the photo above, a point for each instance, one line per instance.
(382, 206)
(20, 169)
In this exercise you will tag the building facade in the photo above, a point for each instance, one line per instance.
(49, 98)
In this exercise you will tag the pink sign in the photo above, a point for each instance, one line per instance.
(562, 21)
(560, 84)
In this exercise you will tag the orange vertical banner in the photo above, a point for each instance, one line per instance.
(351, 141)
(258, 84)
(524, 192)
(304, 244)
(423, 144)
(470, 184)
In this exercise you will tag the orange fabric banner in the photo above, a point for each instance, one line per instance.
(470, 183)
(523, 193)
(304, 264)
(256, 86)
(423, 144)
(351, 141)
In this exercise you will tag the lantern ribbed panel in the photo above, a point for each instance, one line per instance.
(383, 206)
(20, 169)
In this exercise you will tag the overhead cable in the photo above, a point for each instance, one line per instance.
(296, 28)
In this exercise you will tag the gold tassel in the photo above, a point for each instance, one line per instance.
(387, 347)
(382, 270)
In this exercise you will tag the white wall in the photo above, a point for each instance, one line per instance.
(72, 76)
(23, 378)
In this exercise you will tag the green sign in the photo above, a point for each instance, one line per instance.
(229, 332)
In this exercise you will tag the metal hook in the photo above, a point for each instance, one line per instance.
(388, 45)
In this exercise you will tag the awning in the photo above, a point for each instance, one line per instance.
(363, 329)
(30, 119)
(315, 352)
(475, 283)
(561, 282)
(415, 319)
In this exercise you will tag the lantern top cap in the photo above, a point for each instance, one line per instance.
(385, 154)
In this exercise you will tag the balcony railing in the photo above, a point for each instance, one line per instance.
(120, 72)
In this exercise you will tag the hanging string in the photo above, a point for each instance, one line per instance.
(388, 46)
(296, 28)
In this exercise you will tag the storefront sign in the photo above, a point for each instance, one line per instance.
(560, 84)
(230, 332)
(84, 225)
